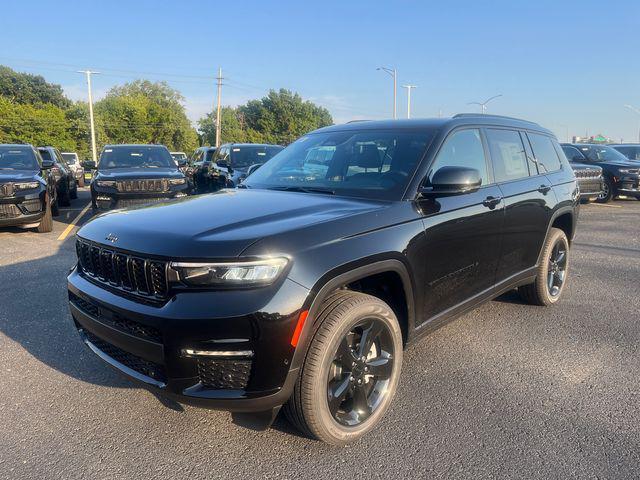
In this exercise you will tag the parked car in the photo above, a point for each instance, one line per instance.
(232, 161)
(590, 181)
(197, 167)
(303, 286)
(181, 160)
(629, 150)
(131, 175)
(66, 185)
(76, 168)
(621, 175)
(27, 188)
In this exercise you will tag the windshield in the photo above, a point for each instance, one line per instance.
(368, 163)
(18, 158)
(245, 156)
(71, 158)
(135, 157)
(603, 154)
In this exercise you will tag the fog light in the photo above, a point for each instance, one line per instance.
(190, 352)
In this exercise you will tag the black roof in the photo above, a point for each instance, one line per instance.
(437, 123)
(135, 145)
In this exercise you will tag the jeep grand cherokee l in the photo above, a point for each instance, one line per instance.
(130, 175)
(621, 175)
(27, 188)
(302, 286)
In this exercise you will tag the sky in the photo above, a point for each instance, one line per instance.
(570, 66)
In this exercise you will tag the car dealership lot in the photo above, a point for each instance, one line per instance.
(509, 390)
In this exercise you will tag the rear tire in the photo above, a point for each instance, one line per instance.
(607, 192)
(46, 223)
(552, 273)
(346, 386)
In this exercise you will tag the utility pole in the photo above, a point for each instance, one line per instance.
(88, 73)
(484, 104)
(409, 87)
(218, 119)
(394, 74)
(634, 109)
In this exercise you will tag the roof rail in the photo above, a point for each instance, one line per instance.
(485, 115)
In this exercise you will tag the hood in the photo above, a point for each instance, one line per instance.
(18, 175)
(584, 166)
(621, 164)
(138, 173)
(221, 224)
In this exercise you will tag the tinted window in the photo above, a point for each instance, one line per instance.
(70, 158)
(18, 158)
(136, 157)
(572, 153)
(544, 152)
(631, 152)
(45, 154)
(462, 149)
(245, 156)
(366, 163)
(602, 153)
(508, 155)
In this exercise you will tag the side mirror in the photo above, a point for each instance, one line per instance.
(223, 163)
(47, 164)
(453, 181)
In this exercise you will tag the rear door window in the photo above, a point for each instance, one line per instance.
(544, 152)
(507, 155)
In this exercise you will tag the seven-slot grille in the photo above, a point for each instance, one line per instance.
(148, 185)
(133, 274)
(9, 210)
(6, 189)
(588, 173)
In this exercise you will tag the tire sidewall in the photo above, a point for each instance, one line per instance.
(557, 235)
(341, 433)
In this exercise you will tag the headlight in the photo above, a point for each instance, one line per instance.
(26, 185)
(177, 181)
(627, 170)
(106, 183)
(254, 273)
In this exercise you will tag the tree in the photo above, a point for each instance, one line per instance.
(278, 118)
(145, 112)
(27, 89)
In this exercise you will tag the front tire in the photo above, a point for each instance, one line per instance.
(552, 273)
(351, 370)
(46, 223)
(607, 192)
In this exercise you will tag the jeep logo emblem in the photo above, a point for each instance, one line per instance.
(111, 238)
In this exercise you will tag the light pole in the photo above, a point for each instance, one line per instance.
(484, 104)
(409, 87)
(634, 109)
(394, 74)
(88, 73)
(566, 129)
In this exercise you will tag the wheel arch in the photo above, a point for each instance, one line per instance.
(564, 218)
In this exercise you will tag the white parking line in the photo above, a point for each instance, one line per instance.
(72, 225)
(606, 205)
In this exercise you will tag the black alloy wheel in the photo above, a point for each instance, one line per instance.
(557, 269)
(359, 377)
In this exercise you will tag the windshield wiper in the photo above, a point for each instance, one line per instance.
(292, 188)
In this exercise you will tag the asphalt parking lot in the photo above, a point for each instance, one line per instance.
(507, 391)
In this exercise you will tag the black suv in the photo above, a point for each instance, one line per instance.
(131, 175)
(66, 184)
(197, 167)
(303, 286)
(621, 175)
(232, 161)
(27, 188)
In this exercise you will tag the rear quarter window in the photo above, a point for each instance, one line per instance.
(545, 153)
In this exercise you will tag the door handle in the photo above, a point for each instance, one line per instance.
(544, 189)
(491, 202)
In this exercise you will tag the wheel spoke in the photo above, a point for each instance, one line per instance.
(369, 335)
(345, 353)
(380, 367)
(561, 257)
(360, 403)
(338, 389)
(550, 282)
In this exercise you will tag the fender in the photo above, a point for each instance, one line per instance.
(333, 280)
(556, 214)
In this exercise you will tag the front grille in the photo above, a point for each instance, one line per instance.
(130, 273)
(116, 320)
(135, 202)
(6, 190)
(588, 173)
(148, 185)
(9, 210)
(140, 365)
(224, 374)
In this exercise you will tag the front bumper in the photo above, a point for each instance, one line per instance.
(147, 342)
(629, 185)
(22, 209)
(590, 188)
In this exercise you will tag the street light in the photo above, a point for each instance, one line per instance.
(409, 87)
(484, 104)
(88, 73)
(634, 109)
(394, 74)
